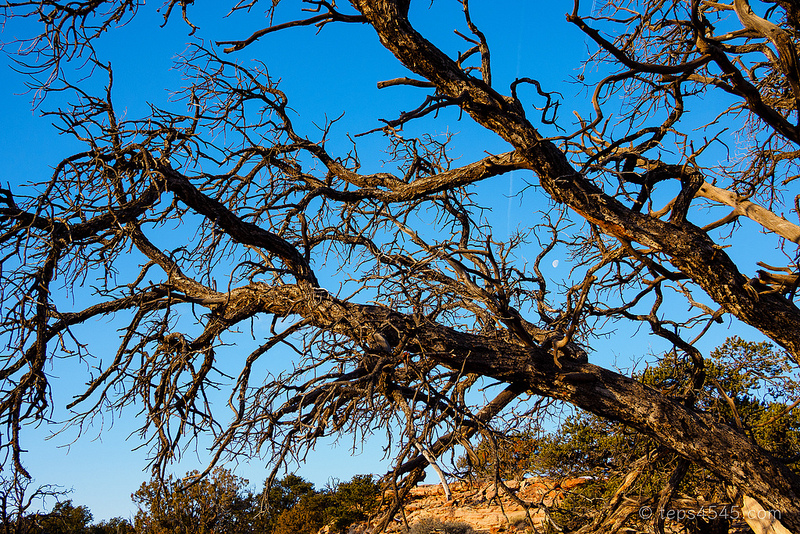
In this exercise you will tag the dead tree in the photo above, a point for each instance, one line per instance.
(388, 285)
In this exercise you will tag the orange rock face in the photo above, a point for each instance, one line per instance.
(487, 508)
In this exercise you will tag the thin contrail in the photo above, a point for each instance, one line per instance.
(511, 174)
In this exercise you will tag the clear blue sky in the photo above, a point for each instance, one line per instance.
(323, 75)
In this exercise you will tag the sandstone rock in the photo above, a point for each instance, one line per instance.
(482, 506)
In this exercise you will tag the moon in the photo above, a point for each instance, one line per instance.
(555, 263)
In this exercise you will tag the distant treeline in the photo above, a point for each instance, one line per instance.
(220, 503)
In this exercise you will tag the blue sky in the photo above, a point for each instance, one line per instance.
(324, 75)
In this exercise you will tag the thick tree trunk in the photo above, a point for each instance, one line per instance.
(688, 248)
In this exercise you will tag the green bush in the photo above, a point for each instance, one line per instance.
(307, 517)
(431, 525)
(352, 502)
(297, 508)
(508, 455)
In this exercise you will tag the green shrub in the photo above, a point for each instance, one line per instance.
(352, 502)
(307, 517)
(431, 525)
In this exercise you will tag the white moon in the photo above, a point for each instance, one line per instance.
(555, 263)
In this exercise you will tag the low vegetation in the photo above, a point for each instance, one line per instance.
(221, 503)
